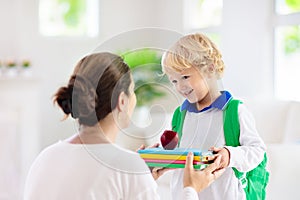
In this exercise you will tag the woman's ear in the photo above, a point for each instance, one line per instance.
(122, 102)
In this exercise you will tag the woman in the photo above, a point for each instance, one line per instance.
(88, 165)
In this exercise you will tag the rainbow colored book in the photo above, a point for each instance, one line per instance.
(159, 157)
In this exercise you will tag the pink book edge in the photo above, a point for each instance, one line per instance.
(170, 161)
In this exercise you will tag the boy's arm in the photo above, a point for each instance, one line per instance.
(251, 152)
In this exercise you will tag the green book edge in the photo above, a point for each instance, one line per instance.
(168, 165)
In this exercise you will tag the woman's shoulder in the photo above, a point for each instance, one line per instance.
(52, 149)
(58, 146)
(118, 158)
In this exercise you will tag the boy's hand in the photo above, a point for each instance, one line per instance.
(225, 156)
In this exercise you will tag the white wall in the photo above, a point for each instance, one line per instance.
(8, 32)
(246, 46)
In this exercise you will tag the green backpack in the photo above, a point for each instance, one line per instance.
(255, 181)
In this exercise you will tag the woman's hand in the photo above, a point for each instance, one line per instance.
(200, 179)
(155, 171)
(142, 147)
(158, 171)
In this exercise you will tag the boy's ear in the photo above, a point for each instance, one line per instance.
(211, 68)
(122, 102)
(211, 71)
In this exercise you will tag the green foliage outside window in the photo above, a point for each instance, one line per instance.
(292, 34)
(68, 17)
(293, 4)
(74, 9)
(145, 65)
(292, 39)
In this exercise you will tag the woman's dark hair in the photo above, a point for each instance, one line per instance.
(94, 87)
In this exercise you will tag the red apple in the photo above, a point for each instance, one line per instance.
(169, 139)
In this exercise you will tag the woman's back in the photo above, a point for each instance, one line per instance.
(93, 171)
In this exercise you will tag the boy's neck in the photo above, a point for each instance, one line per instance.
(207, 100)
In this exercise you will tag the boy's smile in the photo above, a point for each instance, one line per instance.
(189, 92)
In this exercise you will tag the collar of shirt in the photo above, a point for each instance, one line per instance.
(219, 103)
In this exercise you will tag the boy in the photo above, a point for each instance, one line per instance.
(194, 65)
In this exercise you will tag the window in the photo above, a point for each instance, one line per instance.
(68, 17)
(284, 7)
(204, 16)
(287, 50)
(202, 13)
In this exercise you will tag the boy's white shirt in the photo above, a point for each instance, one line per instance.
(204, 130)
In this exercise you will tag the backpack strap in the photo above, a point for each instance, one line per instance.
(232, 123)
(232, 132)
(177, 122)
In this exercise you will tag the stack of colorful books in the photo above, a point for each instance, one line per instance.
(159, 157)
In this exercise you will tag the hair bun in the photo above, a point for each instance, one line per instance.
(63, 99)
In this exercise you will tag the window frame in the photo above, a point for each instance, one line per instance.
(281, 20)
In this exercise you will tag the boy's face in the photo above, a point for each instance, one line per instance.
(190, 83)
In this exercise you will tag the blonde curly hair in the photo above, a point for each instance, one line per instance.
(194, 50)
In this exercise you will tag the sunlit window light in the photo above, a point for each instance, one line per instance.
(68, 17)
